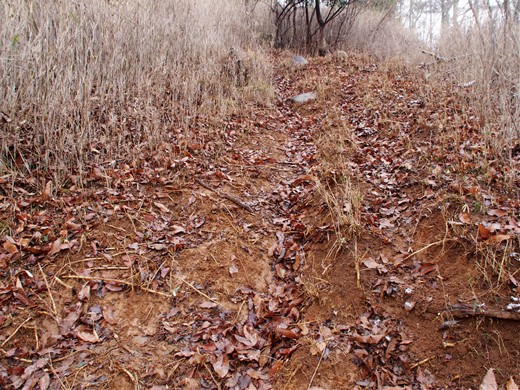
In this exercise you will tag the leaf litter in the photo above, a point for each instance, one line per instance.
(146, 277)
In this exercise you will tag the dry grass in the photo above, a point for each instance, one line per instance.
(91, 82)
(480, 62)
(484, 62)
(381, 36)
(335, 185)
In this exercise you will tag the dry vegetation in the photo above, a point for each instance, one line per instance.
(150, 151)
(87, 82)
(485, 61)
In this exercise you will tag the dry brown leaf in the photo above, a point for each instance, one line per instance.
(497, 213)
(288, 333)
(85, 334)
(465, 218)
(158, 247)
(425, 268)
(162, 207)
(251, 334)
(511, 385)
(483, 232)
(177, 229)
(221, 366)
(489, 382)
(371, 263)
(84, 294)
(497, 239)
(10, 247)
(272, 249)
(208, 305)
(280, 270)
(275, 368)
(46, 194)
(368, 339)
(55, 247)
(44, 382)
(298, 260)
(108, 315)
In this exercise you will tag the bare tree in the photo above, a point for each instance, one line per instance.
(306, 22)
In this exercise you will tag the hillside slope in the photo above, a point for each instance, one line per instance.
(361, 239)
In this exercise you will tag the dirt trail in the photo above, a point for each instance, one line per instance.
(226, 270)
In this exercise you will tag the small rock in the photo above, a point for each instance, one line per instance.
(340, 54)
(140, 340)
(300, 61)
(408, 306)
(304, 97)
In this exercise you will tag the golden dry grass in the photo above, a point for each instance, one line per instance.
(84, 82)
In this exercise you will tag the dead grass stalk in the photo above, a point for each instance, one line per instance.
(95, 82)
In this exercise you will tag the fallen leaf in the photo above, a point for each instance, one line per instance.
(157, 247)
(280, 271)
(134, 246)
(465, 218)
(114, 286)
(44, 382)
(272, 249)
(221, 366)
(68, 322)
(429, 193)
(252, 335)
(385, 224)
(409, 305)
(108, 315)
(46, 194)
(10, 247)
(424, 269)
(56, 247)
(208, 305)
(85, 334)
(368, 339)
(275, 368)
(22, 297)
(483, 232)
(288, 333)
(497, 213)
(497, 239)
(372, 264)
(511, 385)
(177, 229)
(84, 294)
(489, 382)
(162, 207)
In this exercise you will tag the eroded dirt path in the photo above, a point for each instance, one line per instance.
(307, 245)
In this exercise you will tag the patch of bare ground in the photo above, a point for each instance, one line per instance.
(353, 241)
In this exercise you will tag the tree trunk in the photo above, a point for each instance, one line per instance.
(322, 42)
(455, 13)
(295, 31)
(445, 16)
(322, 39)
(411, 17)
(308, 36)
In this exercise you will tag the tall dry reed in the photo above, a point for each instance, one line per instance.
(91, 81)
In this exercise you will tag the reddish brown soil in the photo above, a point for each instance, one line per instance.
(147, 279)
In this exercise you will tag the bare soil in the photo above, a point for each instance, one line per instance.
(145, 278)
